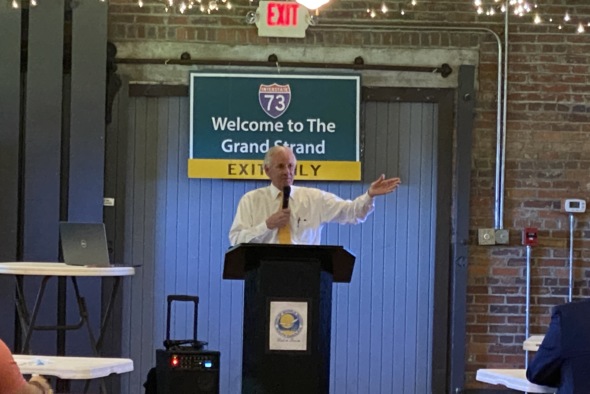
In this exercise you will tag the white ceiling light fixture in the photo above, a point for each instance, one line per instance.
(313, 4)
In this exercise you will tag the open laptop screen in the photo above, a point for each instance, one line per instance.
(84, 243)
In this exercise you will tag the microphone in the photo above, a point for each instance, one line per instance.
(286, 194)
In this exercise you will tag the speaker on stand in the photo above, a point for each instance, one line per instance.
(187, 371)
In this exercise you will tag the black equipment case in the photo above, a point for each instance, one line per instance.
(184, 367)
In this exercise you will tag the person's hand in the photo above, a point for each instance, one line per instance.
(38, 384)
(383, 186)
(278, 219)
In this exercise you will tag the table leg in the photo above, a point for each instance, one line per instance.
(84, 315)
(36, 307)
(21, 307)
(109, 311)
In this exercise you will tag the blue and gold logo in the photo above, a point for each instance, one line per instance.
(288, 323)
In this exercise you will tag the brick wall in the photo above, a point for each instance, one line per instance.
(548, 140)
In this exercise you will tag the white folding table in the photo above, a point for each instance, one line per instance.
(71, 368)
(512, 378)
(48, 271)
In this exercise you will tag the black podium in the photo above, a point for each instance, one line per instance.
(287, 314)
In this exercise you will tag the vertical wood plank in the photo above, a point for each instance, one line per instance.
(114, 219)
(130, 309)
(85, 142)
(43, 125)
(87, 111)
(42, 149)
(10, 47)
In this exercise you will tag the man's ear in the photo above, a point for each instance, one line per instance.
(266, 170)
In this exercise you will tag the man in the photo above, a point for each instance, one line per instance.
(260, 217)
(563, 359)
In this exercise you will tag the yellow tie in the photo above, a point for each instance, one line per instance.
(284, 233)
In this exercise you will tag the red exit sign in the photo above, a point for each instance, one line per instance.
(282, 19)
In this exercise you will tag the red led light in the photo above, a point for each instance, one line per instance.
(174, 361)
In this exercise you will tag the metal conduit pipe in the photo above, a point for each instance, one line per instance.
(501, 145)
(273, 61)
(501, 94)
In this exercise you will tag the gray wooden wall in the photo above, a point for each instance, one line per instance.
(383, 321)
(52, 125)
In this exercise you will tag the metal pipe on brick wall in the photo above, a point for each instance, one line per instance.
(444, 69)
(571, 259)
(527, 311)
(501, 136)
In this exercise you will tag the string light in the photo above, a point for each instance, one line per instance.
(521, 8)
(518, 8)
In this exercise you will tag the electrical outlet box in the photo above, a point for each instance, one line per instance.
(502, 237)
(486, 236)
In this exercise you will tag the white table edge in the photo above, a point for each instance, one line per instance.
(82, 368)
(506, 378)
(31, 268)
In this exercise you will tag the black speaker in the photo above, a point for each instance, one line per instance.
(187, 371)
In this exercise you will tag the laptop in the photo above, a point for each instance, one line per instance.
(84, 244)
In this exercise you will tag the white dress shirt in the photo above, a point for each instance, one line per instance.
(310, 210)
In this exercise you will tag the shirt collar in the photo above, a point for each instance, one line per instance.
(274, 191)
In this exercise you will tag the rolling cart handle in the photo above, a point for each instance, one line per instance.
(183, 298)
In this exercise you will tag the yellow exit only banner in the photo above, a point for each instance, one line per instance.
(254, 169)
